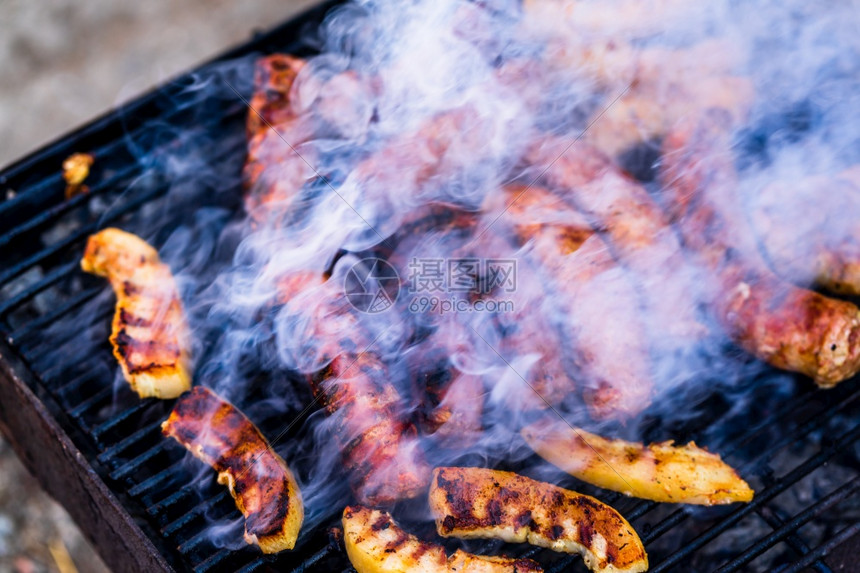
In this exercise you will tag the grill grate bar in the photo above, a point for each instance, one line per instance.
(170, 500)
(140, 460)
(51, 278)
(792, 540)
(195, 512)
(52, 185)
(754, 550)
(795, 542)
(36, 326)
(195, 541)
(113, 451)
(565, 564)
(166, 475)
(49, 215)
(213, 561)
(769, 493)
(111, 423)
(101, 318)
(58, 373)
(311, 561)
(641, 509)
(93, 400)
(51, 250)
(822, 550)
(659, 529)
(90, 228)
(789, 413)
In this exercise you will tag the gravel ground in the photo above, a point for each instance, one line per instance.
(61, 63)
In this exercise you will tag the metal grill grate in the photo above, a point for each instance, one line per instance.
(42, 292)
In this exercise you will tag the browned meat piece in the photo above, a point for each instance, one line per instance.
(380, 447)
(263, 486)
(645, 90)
(822, 250)
(449, 402)
(291, 107)
(531, 341)
(481, 503)
(375, 543)
(606, 343)
(523, 337)
(446, 153)
(648, 110)
(637, 232)
(274, 173)
(149, 333)
(789, 327)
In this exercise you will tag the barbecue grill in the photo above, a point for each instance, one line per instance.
(97, 448)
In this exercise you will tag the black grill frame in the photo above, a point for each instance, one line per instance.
(121, 480)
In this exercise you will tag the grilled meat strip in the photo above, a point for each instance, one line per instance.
(290, 108)
(274, 171)
(149, 333)
(789, 327)
(529, 338)
(450, 402)
(481, 503)
(636, 230)
(379, 445)
(376, 544)
(607, 342)
(660, 472)
(263, 486)
(822, 250)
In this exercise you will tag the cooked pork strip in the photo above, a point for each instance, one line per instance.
(259, 480)
(491, 504)
(380, 447)
(149, 333)
(636, 230)
(789, 327)
(275, 171)
(606, 340)
(822, 250)
(375, 543)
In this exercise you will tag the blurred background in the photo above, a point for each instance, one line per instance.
(62, 62)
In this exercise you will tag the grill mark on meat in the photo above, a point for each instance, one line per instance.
(223, 437)
(473, 502)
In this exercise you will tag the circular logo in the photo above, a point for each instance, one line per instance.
(372, 285)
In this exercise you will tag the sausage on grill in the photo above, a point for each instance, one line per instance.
(149, 333)
(789, 327)
(635, 229)
(286, 115)
(824, 249)
(263, 486)
(607, 343)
